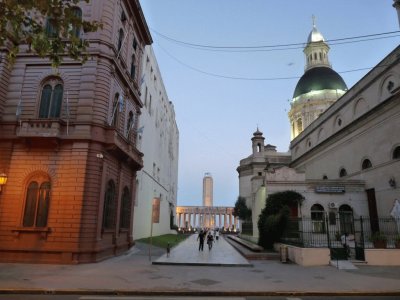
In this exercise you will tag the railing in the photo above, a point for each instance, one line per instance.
(335, 230)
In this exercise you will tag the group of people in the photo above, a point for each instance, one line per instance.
(207, 235)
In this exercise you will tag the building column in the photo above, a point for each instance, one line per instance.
(219, 224)
(224, 221)
(189, 220)
(230, 220)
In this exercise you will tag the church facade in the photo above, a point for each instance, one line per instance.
(344, 155)
(68, 144)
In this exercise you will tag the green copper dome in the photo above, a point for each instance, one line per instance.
(317, 79)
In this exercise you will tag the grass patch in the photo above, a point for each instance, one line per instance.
(162, 240)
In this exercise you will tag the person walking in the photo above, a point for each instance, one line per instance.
(217, 235)
(210, 240)
(200, 238)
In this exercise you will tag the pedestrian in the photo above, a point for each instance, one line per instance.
(200, 238)
(210, 240)
(217, 235)
(168, 249)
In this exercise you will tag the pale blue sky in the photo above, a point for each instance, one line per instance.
(217, 116)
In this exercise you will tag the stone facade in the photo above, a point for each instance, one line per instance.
(68, 144)
(158, 138)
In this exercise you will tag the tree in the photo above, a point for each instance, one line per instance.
(274, 218)
(50, 28)
(241, 210)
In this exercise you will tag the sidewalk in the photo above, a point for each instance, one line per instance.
(134, 274)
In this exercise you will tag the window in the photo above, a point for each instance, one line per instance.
(133, 67)
(134, 44)
(396, 153)
(145, 96)
(342, 172)
(299, 125)
(51, 30)
(366, 164)
(115, 111)
(76, 30)
(130, 123)
(51, 99)
(317, 218)
(120, 39)
(325, 177)
(109, 206)
(37, 204)
(125, 213)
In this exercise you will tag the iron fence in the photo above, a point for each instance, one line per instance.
(332, 230)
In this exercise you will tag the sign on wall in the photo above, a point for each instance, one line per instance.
(330, 189)
(156, 210)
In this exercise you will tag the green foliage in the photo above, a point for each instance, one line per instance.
(241, 210)
(24, 22)
(274, 218)
(163, 240)
(378, 236)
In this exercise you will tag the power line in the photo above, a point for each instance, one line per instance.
(245, 78)
(290, 46)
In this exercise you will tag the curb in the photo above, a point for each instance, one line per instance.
(190, 293)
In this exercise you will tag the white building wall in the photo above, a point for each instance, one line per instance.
(158, 139)
(369, 115)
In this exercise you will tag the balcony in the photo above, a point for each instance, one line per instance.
(40, 128)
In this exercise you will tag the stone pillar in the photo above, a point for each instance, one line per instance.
(179, 220)
(219, 220)
(190, 220)
(230, 220)
(225, 221)
(184, 220)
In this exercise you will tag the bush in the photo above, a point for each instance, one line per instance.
(274, 218)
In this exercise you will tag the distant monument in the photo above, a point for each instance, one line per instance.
(207, 190)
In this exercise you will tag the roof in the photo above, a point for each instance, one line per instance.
(317, 79)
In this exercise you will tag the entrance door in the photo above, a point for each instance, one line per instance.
(373, 212)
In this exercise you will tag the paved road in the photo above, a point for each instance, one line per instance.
(133, 274)
(80, 297)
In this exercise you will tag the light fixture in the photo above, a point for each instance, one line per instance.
(3, 180)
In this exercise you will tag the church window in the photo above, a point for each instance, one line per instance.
(320, 56)
(109, 206)
(37, 204)
(366, 164)
(339, 122)
(317, 218)
(51, 99)
(299, 125)
(396, 153)
(50, 29)
(342, 172)
(258, 147)
(310, 57)
(130, 123)
(315, 56)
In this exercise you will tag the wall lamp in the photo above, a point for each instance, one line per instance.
(3, 180)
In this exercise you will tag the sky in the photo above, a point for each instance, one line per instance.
(221, 95)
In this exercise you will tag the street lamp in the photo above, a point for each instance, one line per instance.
(3, 180)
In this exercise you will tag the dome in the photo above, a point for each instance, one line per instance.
(317, 79)
(315, 36)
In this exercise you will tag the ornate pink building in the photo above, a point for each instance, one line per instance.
(68, 144)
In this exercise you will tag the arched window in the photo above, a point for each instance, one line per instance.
(325, 177)
(109, 206)
(125, 213)
(76, 28)
(258, 148)
(317, 218)
(37, 204)
(396, 153)
(51, 30)
(342, 172)
(299, 125)
(120, 39)
(51, 99)
(366, 164)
